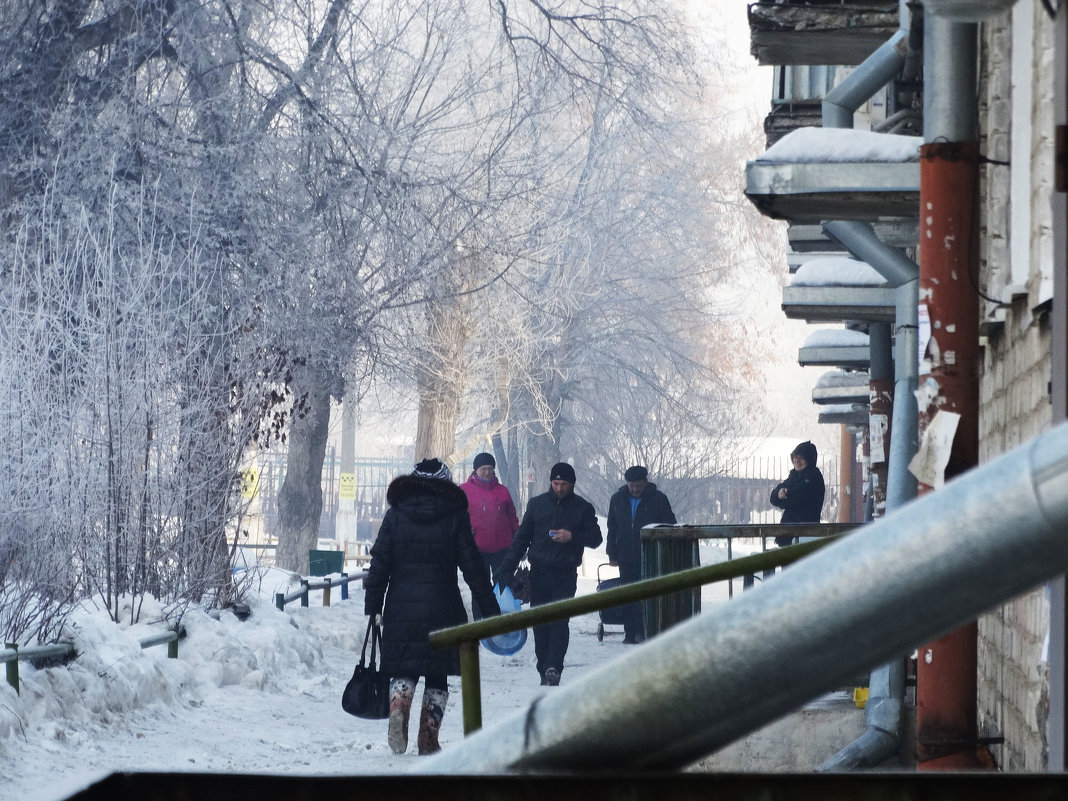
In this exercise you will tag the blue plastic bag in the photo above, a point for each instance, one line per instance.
(510, 643)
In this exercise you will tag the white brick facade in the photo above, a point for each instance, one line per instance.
(1015, 374)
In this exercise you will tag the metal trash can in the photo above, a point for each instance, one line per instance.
(323, 563)
(669, 549)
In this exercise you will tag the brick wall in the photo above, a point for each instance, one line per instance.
(1014, 407)
(1013, 685)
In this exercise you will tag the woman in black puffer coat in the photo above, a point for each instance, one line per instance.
(425, 536)
(800, 496)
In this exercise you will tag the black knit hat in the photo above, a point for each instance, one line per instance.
(636, 473)
(432, 468)
(562, 471)
(483, 459)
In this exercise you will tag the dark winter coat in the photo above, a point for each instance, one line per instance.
(804, 495)
(492, 511)
(544, 513)
(425, 536)
(623, 543)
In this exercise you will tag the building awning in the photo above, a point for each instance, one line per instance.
(815, 174)
(834, 288)
(845, 415)
(839, 386)
(853, 357)
(840, 191)
(829, 304)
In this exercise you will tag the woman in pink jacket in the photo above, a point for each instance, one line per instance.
(492, 511)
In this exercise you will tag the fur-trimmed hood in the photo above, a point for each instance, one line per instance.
(425, 499)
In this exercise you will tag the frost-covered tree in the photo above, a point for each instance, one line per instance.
(619, 345)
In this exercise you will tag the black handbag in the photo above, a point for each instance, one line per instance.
(367, 693)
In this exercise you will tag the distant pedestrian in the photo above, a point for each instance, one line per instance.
(492, 511)
(800, 496)
(638, 503)
(557, 526)
(411, 582)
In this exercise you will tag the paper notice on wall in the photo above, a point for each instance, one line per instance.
(877, 425)
(923, 336)
(929, 463)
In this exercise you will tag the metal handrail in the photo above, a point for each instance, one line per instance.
(466, 637)
(13, 653)
(281, 599)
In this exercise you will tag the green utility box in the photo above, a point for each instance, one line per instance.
(323, 563)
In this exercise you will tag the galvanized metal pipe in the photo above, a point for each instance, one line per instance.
(860, 239)
(880, 407)
(901, 484)
(863, 600)
(886, 685)
(878, 69)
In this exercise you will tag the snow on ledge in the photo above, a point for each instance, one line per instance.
(837, 145)
(836, 271)
(842, 408)
(836, 338)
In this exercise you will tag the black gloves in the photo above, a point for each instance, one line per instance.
(503, 580)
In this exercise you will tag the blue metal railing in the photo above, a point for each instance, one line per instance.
(306, 585)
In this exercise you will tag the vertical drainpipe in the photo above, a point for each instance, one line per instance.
(946, 686)
(883, 713)
(880, 407)
(887, 683)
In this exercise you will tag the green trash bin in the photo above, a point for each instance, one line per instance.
(323, 563)
(668, 549)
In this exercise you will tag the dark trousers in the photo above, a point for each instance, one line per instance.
(632, 613)
(551, 639)
(493, 561)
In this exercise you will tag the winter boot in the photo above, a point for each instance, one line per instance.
(401, 692)
(430, 719)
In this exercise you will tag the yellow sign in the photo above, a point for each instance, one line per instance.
(346, 490)
(250, 482)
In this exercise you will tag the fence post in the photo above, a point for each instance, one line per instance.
(344, 587)
(470, 686)
(13, 667)
(304, 597)
(326, 593)
(172, 647)
(280, 601)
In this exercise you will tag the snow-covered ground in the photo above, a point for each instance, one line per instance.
(254, 696)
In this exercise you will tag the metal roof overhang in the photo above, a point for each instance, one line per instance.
(839, 303)
(815, 191)
(855, 417)
(855, 357)
(858, 393)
